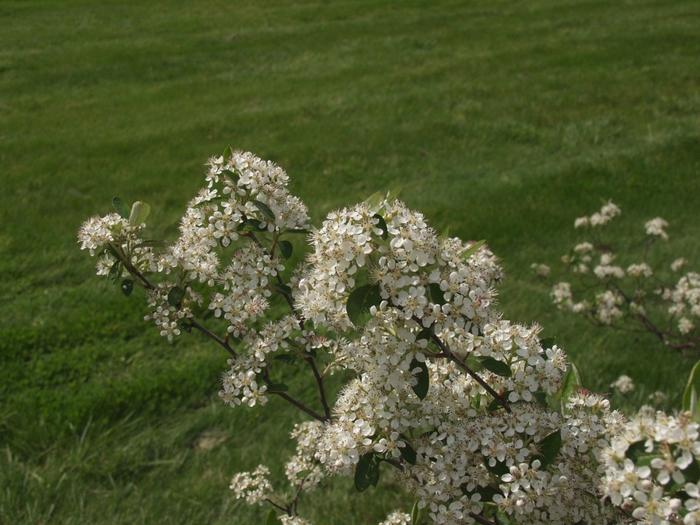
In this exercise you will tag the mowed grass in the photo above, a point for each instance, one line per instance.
(500, 120)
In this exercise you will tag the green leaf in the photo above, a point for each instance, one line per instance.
(286, 248)
(549, 448)
(366, 472)
(374, 201)
(472, 249)
(382, 225)
(691, 392)
(127, 287)
(425, 333)
(499, 469)
(285, 358)
(547, 342)
(139, 213)
(408, 454)
(265, 210)
(271, 518)
(570, 385)
(120, 207)
(423, 376)
(497, 367)
(282, 288)
(175, 296)
(417, 514)
(437, 296)
(360, 301)
(502, 518)
(115, 271)
(250, 224)
(297, 230)
(277, 387)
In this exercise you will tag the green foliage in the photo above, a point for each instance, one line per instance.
(360, 300)
(367, 472)
(286, 248)
(691, 392)
(423, 378)
(139, 213)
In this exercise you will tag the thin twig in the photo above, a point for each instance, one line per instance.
(319, 383)
(222, 342)
(448, 353)
(481, 519)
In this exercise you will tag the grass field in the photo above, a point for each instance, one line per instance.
(500, 120)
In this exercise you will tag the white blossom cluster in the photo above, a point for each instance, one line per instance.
(609, 293)
(652, 469)
(623, 384)
(254, 487)
(475, 415)
(242, 383)
(397, 518)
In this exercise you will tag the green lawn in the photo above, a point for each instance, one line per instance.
(501, 120)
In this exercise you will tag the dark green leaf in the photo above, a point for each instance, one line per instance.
(549, 448)
(635, 450)
(282, 288)
(360, 301)
(139, 213)
(547, 342)
(277, 387)
(286, 248)
(436, 294)
(502, 518)
(127, 287)
(115, 271)
(382, 225)
(497, 367)
(425, 333)
(265, 210)
(494, 405)
(120, 207)
(408, 454)
(423, 377)
(251, 225)
(175, 296)
(298, 230)
(499, 469)
(366, 472)
(285, 358)
(271, 518)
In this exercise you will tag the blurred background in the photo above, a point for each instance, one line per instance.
(500, 120)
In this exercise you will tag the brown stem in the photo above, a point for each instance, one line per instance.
(319, 383)
(277, 506)
(222, 342)
(481, 519)
(448, 353)
(301, 406)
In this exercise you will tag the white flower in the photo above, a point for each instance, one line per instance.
(623, 384)
(656, 228)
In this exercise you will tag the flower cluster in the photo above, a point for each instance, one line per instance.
(638, 295)
(478, 418)
(254, 487)
(652, 469)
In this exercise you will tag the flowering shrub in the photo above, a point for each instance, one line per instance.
(637, 295)
(475, 415)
